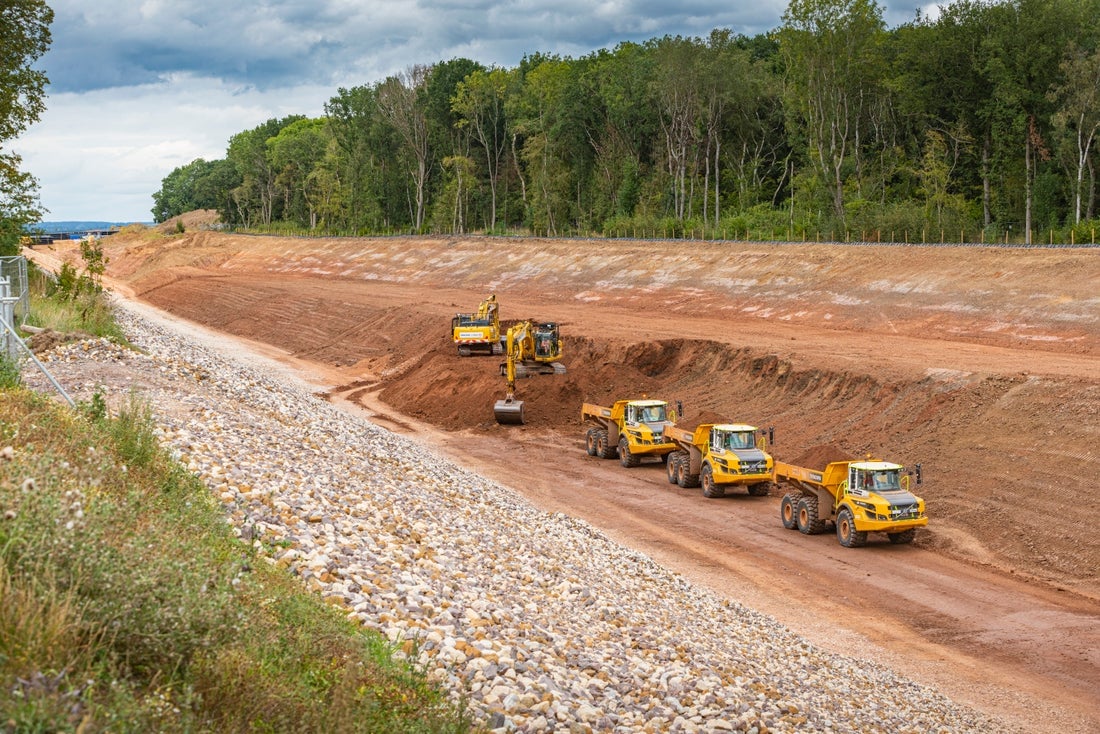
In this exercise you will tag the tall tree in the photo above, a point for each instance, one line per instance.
(830, 48)
(536, 115)
(479, 101)
(25, 30)
(399, 102)
(295, 152)
(256, 197)
(352, 115)
(624, 122)
(1077, 119)
(1026, 44)
(676, 88)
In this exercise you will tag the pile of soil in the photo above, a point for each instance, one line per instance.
(818, 457)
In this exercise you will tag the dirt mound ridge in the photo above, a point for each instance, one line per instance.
(819, 457)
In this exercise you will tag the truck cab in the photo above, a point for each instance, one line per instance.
(877, 496)
(734, 456)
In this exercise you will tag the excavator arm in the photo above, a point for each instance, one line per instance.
(509, 411)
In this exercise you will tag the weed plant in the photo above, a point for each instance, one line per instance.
(70, 303)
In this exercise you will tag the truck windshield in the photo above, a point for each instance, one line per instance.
(885, 480)
(741, 440)
(653, 414)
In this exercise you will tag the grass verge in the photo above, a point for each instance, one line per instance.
(127, 604)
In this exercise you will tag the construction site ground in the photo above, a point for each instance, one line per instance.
(982, 364)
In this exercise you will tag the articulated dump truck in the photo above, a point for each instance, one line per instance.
(717, 456)
(858, 497)
(629, 429)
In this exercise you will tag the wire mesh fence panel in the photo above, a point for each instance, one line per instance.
(14, 268)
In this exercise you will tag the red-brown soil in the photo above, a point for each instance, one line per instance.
(982, 364)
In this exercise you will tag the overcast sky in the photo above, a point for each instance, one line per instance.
(139, 87)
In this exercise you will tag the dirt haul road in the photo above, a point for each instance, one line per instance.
(980, 363)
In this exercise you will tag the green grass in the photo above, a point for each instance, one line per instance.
(127, 604)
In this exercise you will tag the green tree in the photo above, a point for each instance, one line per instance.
(398, 100)
(536, 115)
(25, 30)
(1077, 119)
(679, 104)
(355, 166)
(623, 123)
(200, 184)
(255, 199)
(479, 102)
(295, 152)
(831, 48)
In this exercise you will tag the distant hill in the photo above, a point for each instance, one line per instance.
(74, 226)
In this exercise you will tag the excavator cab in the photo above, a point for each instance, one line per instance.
(547, 342)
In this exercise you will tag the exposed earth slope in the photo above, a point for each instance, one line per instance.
(980, 363)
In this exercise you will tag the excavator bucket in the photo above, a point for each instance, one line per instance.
(509, 412)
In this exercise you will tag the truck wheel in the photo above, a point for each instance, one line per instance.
(789, 512)
(846, 531)
(683, 477)
(905, 536)
(760, 489)
(626, 458)
(672, 468)
(590, 444)
(808, 521)
(606, 450)
(710, 488)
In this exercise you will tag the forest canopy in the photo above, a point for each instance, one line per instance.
(979, 122)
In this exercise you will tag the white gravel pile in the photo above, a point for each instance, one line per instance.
(541, 621)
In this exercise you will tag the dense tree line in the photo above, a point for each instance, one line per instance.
(979, 122)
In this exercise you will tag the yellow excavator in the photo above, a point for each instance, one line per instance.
(532, 348)
(478, 331)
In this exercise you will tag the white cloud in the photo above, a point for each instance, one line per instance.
(101, 155)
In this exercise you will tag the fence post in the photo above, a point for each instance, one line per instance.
(7, 317)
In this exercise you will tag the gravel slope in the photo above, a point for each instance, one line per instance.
(539, 620)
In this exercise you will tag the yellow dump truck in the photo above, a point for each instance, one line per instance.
(717, 456)
(629, 429)
(858, 497)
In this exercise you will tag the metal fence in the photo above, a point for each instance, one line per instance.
(14, 269)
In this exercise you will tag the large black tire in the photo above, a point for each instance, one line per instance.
(604, 449)
(788, 511)
(846, 531)
(808, 521)
(590, 442)
(684, 477)
(626, 458)
(760, 489)
(905, 536)
(672, 466)
(711, 488)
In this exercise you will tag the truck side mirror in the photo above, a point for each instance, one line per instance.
(918, 473)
